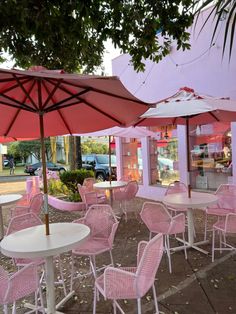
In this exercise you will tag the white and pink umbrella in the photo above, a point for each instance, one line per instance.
(188, 107)
(129, 132)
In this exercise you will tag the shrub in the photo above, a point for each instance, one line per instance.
(56, 187)
(72, 178)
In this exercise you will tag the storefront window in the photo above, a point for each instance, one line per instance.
(132, 160)
(164, 156)
(211, 162)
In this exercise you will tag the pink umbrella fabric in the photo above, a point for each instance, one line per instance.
(188, 107)
(39, 103)
(130, 132)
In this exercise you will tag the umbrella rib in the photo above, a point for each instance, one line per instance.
(13, 87)
(13, 79)
(50, 94)
(26, 92)
(12, 122)
(18, 105)
(109, 94)
(64, 121)
(64, 106)
(215, 117)
(86, 103)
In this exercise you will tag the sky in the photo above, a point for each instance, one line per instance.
(110, 53)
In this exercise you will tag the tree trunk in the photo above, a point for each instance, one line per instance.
(78, 152)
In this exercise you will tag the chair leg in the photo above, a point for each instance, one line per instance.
(5, 309)
(41, 300)
(62, 276)
(220, 235)
(114, 307)
(111, 256)
(168, 252)
(139, 306)
(14, 308)
(72, 272)
(155, 299)
(150, 235)
(93, 265)
(205, 231)
(213, 245)
(185, 251)
(94, 299)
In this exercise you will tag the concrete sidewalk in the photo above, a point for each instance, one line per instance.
(196, 286)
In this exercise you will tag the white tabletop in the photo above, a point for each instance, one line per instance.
(110, 185)
(32, 242)
(9, 198)
(197, 200)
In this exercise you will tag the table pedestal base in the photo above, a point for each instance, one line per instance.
(60, 304)
(189, 246)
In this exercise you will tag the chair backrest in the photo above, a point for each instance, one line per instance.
(91, 198)
(154, 212)
(125, 178)
(20, 284)
(100, 218)
(149, 257)
(36, 203)
(176, 187)
(82, 191)
(131, 190)
(227, 197)
(18, 223)
(88, 183)
(230, 223)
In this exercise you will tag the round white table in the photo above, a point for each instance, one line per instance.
(6, 200)
(33, 243)
(107, 185)
(197, 200)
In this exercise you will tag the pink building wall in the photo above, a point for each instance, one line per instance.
(201, 68)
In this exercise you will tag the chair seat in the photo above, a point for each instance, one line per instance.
(218, 211)
(125, 288)
(160, 227)
(92, 246)
(177, 209)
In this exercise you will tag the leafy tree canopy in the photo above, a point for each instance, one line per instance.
(71, 34)
(93, 147)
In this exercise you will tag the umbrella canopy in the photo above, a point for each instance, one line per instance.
(130, 132)
(188, 107)
(201, 109)
(39, 103)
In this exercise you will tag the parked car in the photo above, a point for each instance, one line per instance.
(32, 169)
(5, 162)
(100, 165)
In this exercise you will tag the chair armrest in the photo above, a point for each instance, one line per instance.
(141, 247)
(112, 234)
(79, 221)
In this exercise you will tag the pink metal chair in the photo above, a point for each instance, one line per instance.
(103, 225)
(91, 197)
(158, 220)
(176, 187)
(132, 282)
(24, 221)
(125, 195)
(35, 206)
(224, 227)
(88, 183)
(226, 204)
(19, 285)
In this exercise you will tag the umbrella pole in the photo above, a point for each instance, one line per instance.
(188, 156)
(109, 151)
(45, 186)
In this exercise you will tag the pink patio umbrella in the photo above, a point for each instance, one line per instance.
(39, 103)
(188, 107)
(130, 132)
